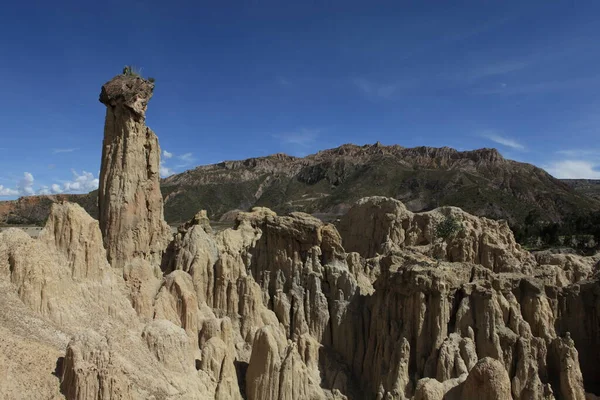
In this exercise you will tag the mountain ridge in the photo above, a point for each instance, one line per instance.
(326, 183)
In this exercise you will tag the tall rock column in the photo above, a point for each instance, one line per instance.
(129, 199)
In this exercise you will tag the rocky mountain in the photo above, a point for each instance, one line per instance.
(284, 307)
(587, 187)
(481, 182)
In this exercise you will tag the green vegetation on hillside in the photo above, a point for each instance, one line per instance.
(578, 230)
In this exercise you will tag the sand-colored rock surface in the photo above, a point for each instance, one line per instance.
(129, 200)
(376, 225)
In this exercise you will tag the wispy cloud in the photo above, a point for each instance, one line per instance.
(540, 87)
(503, 140)
(374, 90)
(498, 69)
(301, 137)
(57, 151)
(581, 153)
(573, 169)
(281, 81)
(186, 159)
(480, 28)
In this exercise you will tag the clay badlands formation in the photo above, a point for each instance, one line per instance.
(283, 307)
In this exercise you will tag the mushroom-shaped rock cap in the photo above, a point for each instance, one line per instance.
(129, 91)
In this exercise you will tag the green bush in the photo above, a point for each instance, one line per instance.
(132, 70)
(448, 227)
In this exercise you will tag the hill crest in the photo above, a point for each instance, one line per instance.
(326, 183)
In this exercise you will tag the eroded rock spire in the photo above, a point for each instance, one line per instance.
(129, 199)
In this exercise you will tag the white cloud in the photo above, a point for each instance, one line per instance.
(56, 189)
(302, 137)
(25, 186)
(52, 189)
(4, 191)
(56, 151)
(502, 140)
(165, 171)
(84, 182)
(573, 169)
(81, 183)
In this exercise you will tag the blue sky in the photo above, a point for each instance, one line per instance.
(244, 79)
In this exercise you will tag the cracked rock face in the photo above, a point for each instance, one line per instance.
(129, 199)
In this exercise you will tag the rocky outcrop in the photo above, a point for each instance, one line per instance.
(92, 371)
(578, 314)
(63, 275)
(488, 380)
(276, 371)
(564, 369)
(568, 268)
(143, 282)
(129, 199)
(377, 225)
(170, 345)
(176, 301)
(218, 362)
(78, 240)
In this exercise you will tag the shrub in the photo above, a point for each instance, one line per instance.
(131, 70)
(448, 227)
